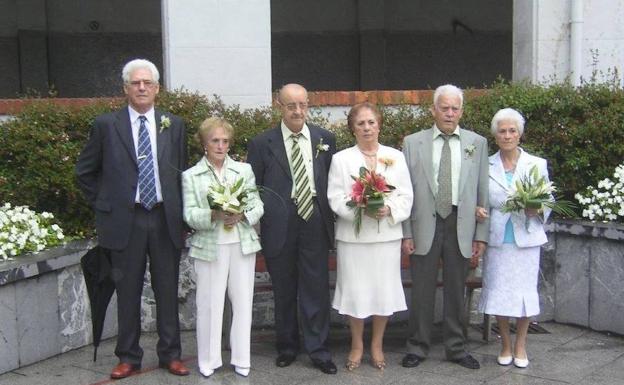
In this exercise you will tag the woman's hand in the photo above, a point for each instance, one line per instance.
(381, 213)
(228, 219)
(481, 214)
(532, 212)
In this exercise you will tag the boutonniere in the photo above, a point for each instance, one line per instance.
(321, 147)
(386, 162)
(470, 150)
(165, 122)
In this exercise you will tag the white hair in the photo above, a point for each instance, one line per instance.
(136, 64)
(508, 114)
(448, 89)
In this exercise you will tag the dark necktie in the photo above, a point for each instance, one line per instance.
(147, 181)
(444, 202)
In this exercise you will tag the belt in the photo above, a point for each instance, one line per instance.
(140, 206)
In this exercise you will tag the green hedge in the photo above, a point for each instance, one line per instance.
(579, 130)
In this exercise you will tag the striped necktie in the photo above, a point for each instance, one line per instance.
(147, 181)
(303, 192)
(444, 200)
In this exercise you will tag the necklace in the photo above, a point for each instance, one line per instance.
(368, 154)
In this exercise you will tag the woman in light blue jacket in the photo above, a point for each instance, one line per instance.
(224, 247)
(511, 263)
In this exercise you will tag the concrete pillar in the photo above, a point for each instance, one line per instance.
(220, 47)
(372, 45)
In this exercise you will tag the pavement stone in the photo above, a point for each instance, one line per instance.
(568, 355)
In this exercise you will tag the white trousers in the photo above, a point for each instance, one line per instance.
(235, 272)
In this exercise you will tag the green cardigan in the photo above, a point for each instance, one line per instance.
(198, 215)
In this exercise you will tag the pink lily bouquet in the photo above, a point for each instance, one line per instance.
(367, 195)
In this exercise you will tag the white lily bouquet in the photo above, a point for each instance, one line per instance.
(232, 198)
(534, 192)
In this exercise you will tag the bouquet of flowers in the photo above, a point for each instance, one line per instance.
(534, 192)
(367, 195)
(231, 198)
(23, 230)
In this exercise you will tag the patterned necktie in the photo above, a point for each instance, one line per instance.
(444, 204)
(147, 181)
(303, 192)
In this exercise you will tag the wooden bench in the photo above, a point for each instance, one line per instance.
(472, 283)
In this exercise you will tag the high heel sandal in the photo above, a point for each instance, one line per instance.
(352, 365)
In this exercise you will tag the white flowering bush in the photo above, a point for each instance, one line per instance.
(23, 230)
(606, 201)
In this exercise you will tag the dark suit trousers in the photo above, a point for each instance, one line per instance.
(424, 271)
(149, 237)
(300, 280)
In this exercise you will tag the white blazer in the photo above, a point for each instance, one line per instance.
(527, 233)
(347, 163)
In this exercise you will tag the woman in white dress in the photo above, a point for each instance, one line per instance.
(511, 263)
(369, 263)
(223, 246)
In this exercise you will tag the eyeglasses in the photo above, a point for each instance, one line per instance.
(293, 106)
(146, 83)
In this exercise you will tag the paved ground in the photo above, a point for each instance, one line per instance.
(568, 355)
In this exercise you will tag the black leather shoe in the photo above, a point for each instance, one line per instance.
(411, 360)
(468, 362)
(284, 360)
(327, 367)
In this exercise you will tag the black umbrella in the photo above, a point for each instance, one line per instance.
(96, 267)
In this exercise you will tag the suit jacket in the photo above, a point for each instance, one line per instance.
(347, 163)
(472, 190)
(268, 159)
(528, 233)
(107, 172)
(198, 215)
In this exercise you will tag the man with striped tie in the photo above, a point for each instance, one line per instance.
(130, 172)
(291, 163)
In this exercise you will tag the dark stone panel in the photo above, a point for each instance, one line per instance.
(319, 61)
(89, 64)
(426, 60)
(33, 62)
(9, 68)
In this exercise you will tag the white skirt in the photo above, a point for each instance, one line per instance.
(510, 281)
(369, 279)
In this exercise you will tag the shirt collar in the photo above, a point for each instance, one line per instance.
(437, 132)
(134, 115)
(286, 133)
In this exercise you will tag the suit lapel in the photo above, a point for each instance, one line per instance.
(315, 139)
(276, 146)
(497, 172)
(124, 130)
(522, 167)
(425, 147)
(465, 140)
(161, 136)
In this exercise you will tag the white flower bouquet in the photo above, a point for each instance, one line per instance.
(232, 198)
(533, 191)
(23, 230)
(606, 201)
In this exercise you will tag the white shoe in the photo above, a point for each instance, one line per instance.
(521, 362)
(504, 360)
(206, 372)
(242, 371)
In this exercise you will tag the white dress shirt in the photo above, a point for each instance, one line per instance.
(150, 123)
(306, 151)
(436, 151)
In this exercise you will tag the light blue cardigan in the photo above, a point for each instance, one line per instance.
(198, 215)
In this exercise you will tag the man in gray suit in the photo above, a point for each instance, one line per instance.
(130, 172)
(449, 171)
(291, 163)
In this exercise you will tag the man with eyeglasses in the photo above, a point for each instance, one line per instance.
(130, 172)
(291, 163)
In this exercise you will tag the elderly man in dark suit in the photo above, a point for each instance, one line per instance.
(449, 171)
(291, 163)
(130, 172)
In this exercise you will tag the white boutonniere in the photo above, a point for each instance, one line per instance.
(321, 147)
(165, 122)
(386, 162)
(470, 150)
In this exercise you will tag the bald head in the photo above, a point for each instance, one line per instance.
(293, 102)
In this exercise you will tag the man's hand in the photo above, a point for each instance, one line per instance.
(481, 214)
(478, 247)
(407, 246)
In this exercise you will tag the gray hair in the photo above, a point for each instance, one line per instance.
(135, 64)
(448, 89)
(508, 114)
